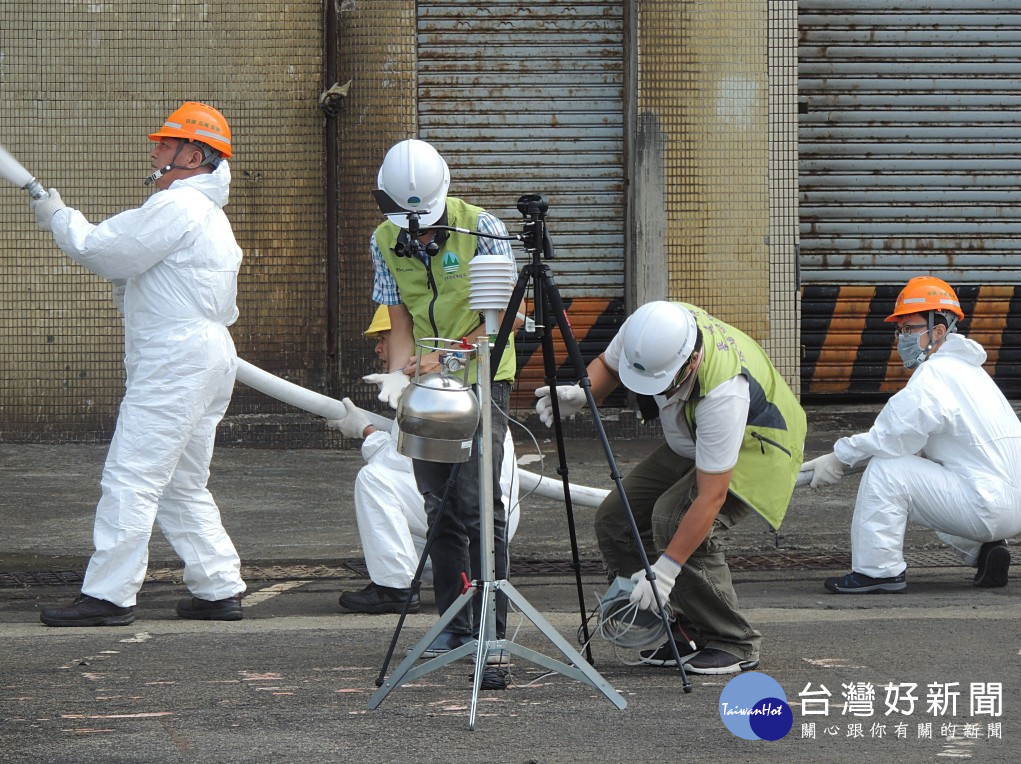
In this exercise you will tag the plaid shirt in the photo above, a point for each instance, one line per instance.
(384, 288)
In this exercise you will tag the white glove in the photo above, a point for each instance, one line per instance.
(390, 386)
(827, 470)
(572, 400)
(117, 287)
(46, 208)
(667, 570)
(354, 422)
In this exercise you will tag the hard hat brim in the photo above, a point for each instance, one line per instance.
(645, 384)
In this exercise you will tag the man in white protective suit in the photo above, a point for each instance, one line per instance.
(173, 263)
(389, 508)
(945, 452)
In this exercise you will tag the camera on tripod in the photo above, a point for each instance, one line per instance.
(535, 235)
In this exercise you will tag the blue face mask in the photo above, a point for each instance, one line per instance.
(910, 353)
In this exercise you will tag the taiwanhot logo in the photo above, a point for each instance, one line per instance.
(753, 706)
(450, 263)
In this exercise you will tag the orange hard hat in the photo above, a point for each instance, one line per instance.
(924, 293)
(195, 121)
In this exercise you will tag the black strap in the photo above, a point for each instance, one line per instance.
(648, 409)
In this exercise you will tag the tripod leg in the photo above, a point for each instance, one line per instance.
(482, 648)
(549, 367)
(509, 317)
(550, 371)
(417, 580)
(552, 295)
(407, 671)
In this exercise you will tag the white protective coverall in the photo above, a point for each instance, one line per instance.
(391, 513)
(180, 260)
(946, 454)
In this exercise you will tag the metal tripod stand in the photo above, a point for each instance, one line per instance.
(486, 643)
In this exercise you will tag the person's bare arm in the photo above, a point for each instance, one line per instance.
(402, 338)
(698, 520)
(603, 379)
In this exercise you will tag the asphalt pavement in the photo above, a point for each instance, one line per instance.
(926, 674)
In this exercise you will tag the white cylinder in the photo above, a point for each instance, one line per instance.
(490, 282)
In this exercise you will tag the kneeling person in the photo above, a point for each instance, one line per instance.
(389, 508)
(944, 452)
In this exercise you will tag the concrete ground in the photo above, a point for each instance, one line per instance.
(292, 682)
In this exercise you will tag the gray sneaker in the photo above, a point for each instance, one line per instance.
(715, 661)
(444, 643)
(711, 660)
(664, 656)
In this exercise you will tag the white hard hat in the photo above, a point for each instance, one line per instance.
(657, 339)
(415, 176)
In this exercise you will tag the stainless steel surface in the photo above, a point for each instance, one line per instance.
(437, 417)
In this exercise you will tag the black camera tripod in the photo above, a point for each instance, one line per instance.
(547, 305)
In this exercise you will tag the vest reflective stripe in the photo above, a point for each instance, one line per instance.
(443, 311)
(774, 437)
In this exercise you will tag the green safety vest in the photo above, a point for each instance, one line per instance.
(774, 435)
(439, 305)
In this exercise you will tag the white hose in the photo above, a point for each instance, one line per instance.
(330, 408)
(299, 397)
(554, 489)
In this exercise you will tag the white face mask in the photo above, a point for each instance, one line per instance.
(908, 348)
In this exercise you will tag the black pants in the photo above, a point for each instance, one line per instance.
(456, 547)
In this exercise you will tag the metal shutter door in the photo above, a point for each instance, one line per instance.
(528, 98)
(910, 141)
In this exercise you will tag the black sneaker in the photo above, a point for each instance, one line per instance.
(859, 583)
(711, 660)
(380, 599)
(993, 564)
(228, 609)
(88, 611)
(664, 656)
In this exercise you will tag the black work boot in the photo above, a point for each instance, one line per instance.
(196, 609)
(88, 611)
(993, 565)
(380, 599)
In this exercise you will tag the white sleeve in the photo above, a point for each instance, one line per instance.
(380, 448)
(720, 420)
(127, 244)
(611, 356)
(903, 426)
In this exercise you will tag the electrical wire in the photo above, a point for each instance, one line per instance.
(542, 459)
